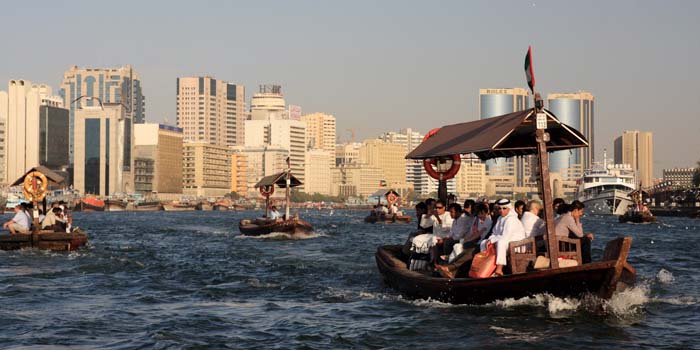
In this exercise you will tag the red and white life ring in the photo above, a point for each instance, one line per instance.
(391, 198)
(267, 191)
(430, 162)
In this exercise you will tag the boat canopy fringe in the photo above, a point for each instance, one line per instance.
(506, 136)
(279, 179)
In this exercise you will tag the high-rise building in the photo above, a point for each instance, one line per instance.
(471, 178)
(280, 133)
(356, 180)
(35, 129)
(410, 139)
(495, 102)
(262, 161)
(110, 85)
(157, 158)
(206, 169)
(575, 110)
(389, 157)
(637, 149)
(318, 172)
(320, 131)
(239, 172)
(268, 104)
(103, 150)
(211, 111)
(681, 177)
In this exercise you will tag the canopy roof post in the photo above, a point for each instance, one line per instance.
(541, 137)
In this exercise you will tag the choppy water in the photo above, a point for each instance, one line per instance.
(187, 280)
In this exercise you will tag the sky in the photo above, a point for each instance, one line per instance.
(385, 65)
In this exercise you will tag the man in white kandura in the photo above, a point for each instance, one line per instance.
(508, 229)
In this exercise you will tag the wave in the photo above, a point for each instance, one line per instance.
(284, 236)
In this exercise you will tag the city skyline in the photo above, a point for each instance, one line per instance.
(640, 72)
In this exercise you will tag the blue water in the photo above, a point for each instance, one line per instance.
(166, 280)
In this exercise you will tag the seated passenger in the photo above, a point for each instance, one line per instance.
(424, 226)
(477, 232)
(569, 225)
(54, 221)
(533, 224)
(274, 214)
(519, 208)
(508, 229)
(442, 221)
(458, 230)
(19, 222)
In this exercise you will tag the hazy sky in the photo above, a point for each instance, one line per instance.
(384, 65)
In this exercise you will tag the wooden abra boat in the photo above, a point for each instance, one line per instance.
(49, 240)
(600, 278)
(388, 219)
(532, 131)
(637, 218)
(259, 227)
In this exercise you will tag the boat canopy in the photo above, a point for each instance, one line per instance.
(279, 179)
(508, 135)
(53, 178)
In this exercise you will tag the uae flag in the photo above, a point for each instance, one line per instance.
(529, 73)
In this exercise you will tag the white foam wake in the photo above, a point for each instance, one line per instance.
(284, 236)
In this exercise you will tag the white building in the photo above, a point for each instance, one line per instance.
(280, 133)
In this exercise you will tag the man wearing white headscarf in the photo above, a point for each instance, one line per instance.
(508, 229)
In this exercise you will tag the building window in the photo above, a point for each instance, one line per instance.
(92, 156)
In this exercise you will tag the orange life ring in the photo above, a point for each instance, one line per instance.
(391, 198)
(267, 191)
(430, 162)
(35, 194)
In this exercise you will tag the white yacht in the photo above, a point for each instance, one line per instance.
(605, 189)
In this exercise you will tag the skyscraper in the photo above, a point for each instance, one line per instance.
(36, 129)
(575, 110)
(111, 85)
(637, 149)
(320, 131)
(211, 111)
(495, 102)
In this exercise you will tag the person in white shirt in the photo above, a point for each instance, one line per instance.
(383, 209)
(18, 223)
(442, 221)
(508, 229)
(274, 214)
(477, 229)
(458, 230)
(394, 209)
(533, 225)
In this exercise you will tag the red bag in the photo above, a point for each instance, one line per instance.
(484, 263)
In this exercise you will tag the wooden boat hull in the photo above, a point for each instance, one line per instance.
(115, 205)
(171, 207)
(48, 240)
(263, 227)
(599, 278)
(637, 219)
(388, 219)
(148, 207)
(221, 207)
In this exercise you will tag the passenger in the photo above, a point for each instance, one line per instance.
(469, 207)
(442, 221)
(458, 230)
(508, 229)
(478, 229)
(519, 208)
(274, 214)
(52, 222)
(555, 205)
(421, 218)
(533, 225)
(383, 209)
(394, 209)
(18, 223)
(495, 212)
(569, 225)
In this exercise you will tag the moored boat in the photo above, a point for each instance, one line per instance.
(115, 205)
(148, 206)
(179, 206)
(88, 204)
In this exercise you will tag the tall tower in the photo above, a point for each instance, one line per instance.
(111, 85)
(495, 102)
(320, 134)
(575, 110)
(211, 111)
(637, 149)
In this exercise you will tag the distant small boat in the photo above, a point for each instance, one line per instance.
(388, 219)
(115, 205)
(206, 206)
(259, 227)
(637, 218)
(148, 206)
(89, 204)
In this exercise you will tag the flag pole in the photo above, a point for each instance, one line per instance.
(541, 136)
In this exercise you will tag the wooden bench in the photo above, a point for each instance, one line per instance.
(523, 254)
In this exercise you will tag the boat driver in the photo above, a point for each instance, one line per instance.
(274, 214)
